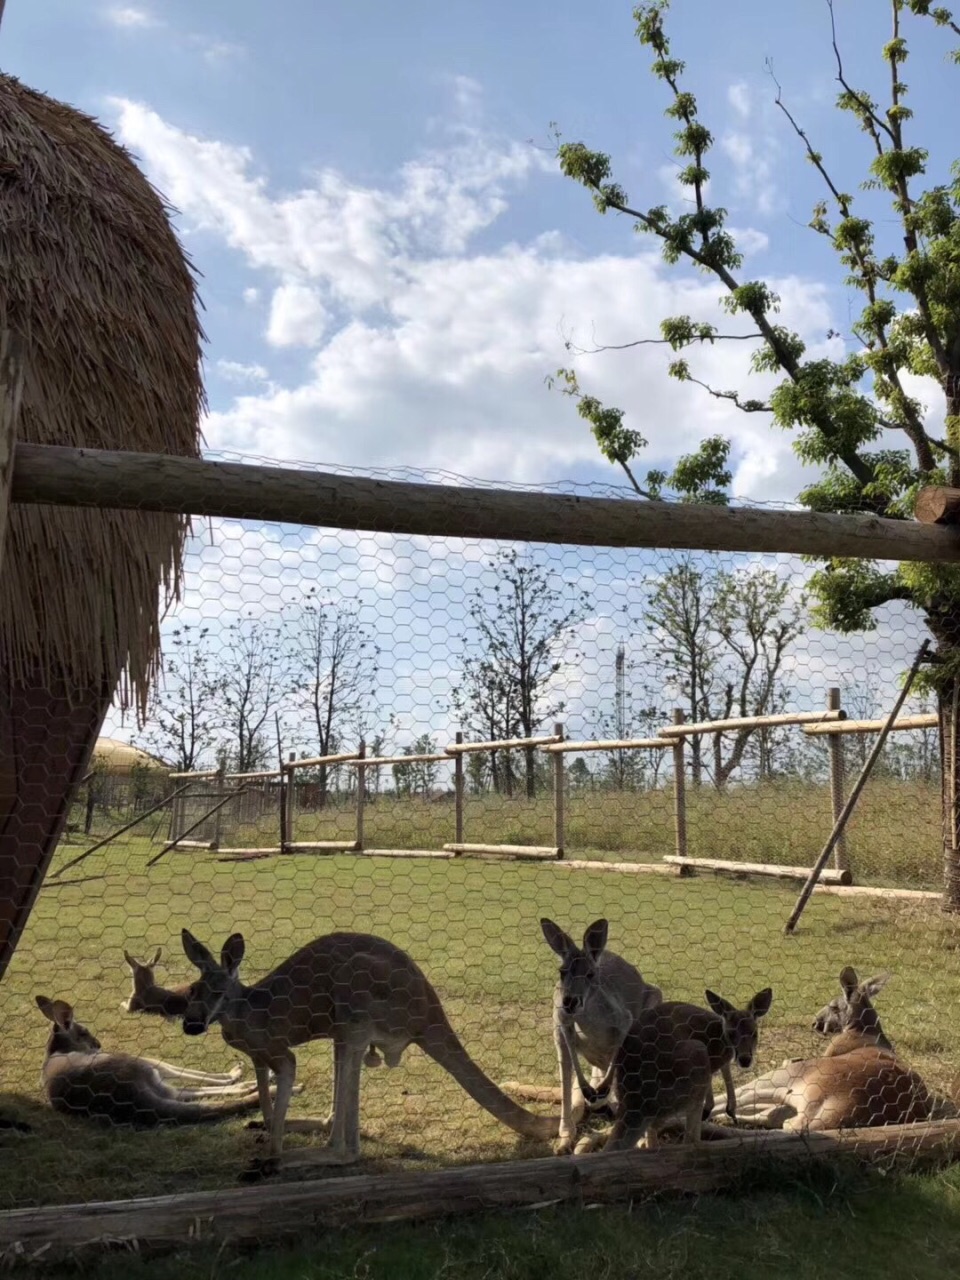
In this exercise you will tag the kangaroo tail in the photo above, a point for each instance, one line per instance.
(442, 1044)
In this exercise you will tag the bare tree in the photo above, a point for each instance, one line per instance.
(523, 622)
(182, 715)
(485, 704)
(419, 777)
(334, 671)
(251, 690)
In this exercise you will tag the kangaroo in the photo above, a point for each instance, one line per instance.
(79, 1078)
(356, 990)
(598, 997)
(858, 1082)
(650, 1069)
(147, 996)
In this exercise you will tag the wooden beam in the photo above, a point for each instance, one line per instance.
(607, 744)
(620, 868)
(370, 761)
(504, 744)
(750, 722)
(278, 1209)
(341, 757)
(322, 846)
(53, 474)
(755, 869)
(408, 853)
(937, 504)
(927, 720)
(540, 852)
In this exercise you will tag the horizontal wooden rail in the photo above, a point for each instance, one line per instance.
(54, 474)
(750, 722)
(690, 865)
(426, 759)
(259, 775)
(505, 744)
(540, 852)
(283, 1208)
(614, 744)
(928, 720)
(196, 777)
(342, 757)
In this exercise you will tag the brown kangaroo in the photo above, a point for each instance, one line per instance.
(147, 996)
(80, 1079)
(659, 1067)
(859, 1082)
(356, 990)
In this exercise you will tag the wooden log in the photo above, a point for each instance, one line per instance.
(937, 504)
(620, 868)
(338, 758)
(539, 852)
(926, 720)
(750, 722)
(260, 776)
(277, 1209)
(872, 891)
(377, 760)
(322, 846)
(408, 853)
(159, 482)
(196, 777)
(268, 851)
(755, 869)
(505, 744)
(194, 844)
(608, 744)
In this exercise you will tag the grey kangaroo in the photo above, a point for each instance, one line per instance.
(357, 990)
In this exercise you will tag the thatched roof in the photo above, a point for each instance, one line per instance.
(96, 287)
(119, 758)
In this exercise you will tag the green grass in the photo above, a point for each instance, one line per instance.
(474, 927)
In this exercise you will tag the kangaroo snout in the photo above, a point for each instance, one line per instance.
(194, 1026)
(744, 1060)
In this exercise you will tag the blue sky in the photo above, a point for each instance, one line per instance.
(390, 260)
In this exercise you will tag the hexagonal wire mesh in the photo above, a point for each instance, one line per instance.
(298, 776)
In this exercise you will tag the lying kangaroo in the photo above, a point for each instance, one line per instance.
(858, 1082)
(356, 990)
(80, 1079)
(147, 996)
(596, 1000)
(658, 1070)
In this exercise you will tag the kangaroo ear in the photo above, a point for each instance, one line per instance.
(872, 986)
(595, 939)
(232, 953)
(156, 957)
(556, 939)
(132, 964)
(58, 1011)
(196, 952)
(849, 981)
(761, 1002)
(45, 1006)
(718, 1004)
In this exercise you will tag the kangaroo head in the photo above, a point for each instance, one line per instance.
(217, 982)
(143, 980)
(741, 1027)
(852, 1009)
(67, 1035)
(578, 965)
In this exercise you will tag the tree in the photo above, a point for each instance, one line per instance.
(182, 718)
(250, 691)
(419, 777)
(579, 775)
(485, 704)
(848, 413)
(334, 671)
(719, 638)
(523, 623)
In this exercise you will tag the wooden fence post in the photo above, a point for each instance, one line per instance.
(458, 790)
(559, 780)
(288, 782)
(837, 783)
(221, 782)
(361, 792)
(679, 789)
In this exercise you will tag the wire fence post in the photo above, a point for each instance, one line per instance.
(221, 789)
(679, 789)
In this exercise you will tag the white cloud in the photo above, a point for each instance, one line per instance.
(216, 51)
(749, 240)
(738, 95)
(298, 317)
(251, 296)
(131, 17)
(234, 371)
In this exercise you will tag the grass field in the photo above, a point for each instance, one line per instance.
(474, 928)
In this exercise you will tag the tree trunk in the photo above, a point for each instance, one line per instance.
(322, 786)
(531, 772)
(949, 710)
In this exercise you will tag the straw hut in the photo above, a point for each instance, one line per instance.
(99, 296)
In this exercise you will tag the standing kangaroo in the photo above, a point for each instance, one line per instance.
(659, 1068)
(81, 1080)
(858, 1082)
(357, 990)
(597, 998)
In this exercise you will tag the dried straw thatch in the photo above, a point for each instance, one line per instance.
(99, 298)
(102, 297)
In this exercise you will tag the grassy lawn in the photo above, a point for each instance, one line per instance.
(474, 928)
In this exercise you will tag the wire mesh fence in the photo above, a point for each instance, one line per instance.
(306, 772)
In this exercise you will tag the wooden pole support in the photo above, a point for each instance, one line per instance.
(837, 784)
(218, 817)
(361, 792)
(458, 790)
(559, 779)
(679, 789)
